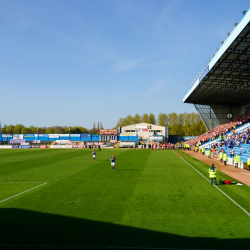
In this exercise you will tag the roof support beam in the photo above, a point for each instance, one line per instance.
(229, 76)
(232, 69)
(234, 61)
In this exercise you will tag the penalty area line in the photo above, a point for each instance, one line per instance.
(23, 192)
(244, 210)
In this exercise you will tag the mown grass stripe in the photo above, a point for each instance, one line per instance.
(244, 210)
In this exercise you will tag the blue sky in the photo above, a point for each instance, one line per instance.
(77, 62)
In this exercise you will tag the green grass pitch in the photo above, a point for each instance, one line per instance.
(62, 199)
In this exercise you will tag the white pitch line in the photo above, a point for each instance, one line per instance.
(23, 192)
(245, 211)
(18, 182)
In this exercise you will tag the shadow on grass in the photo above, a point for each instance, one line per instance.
(23, 229)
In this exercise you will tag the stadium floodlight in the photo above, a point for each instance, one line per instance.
(228, 33)
(199, 73)
(212, 55)
(195, 79)
(244, 12)
(222, 42)
(192, 84)
(217, 49)
(203, 69)
(235, 24)
(209, 60)
(205, 65)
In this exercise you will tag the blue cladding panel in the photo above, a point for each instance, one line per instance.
(75, 138)
(31, 138)
(1, 138)
(43, 139)
(85, 138)
(95, 137)
(123, 138)
(133, 138)
(53, 139)
(64, 138)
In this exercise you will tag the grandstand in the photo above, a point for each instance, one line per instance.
(221, 94)
(222, 90)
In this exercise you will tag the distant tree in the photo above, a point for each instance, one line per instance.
(85, 131)
(18, 129)
(42, 130)
(145, 118)
(26, 130)
(50, 130)
(137, 118)
(4, 129)
(129, 120)
(33, 129)
(152, 118)
(76, 130)
(163, 119)
(10, 129)
(58, 130)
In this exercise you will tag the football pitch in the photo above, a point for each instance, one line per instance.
(156, 199)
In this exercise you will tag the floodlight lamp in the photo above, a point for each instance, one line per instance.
(213, 55)
(235, 24)
(202, 69)
(217, 49)
(205, 65)
(244, 12)
(199, 73)
(222, 42)
(209, 60)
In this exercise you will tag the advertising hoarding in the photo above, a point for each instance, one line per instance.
(17, 136)
(28, 135)
(85, 135)
(42, 146)
(17, 140)
(128, 134)
(53, 135)
(36, 141)
(107, 132)
(42, 135)
(74, 135)
(204, 73)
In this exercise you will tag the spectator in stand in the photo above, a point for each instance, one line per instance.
(232, 153)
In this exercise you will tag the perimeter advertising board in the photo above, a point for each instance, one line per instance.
(128, 134)
(107, 132)
(85, 135)
(17, 136)
(204, 73)
(17, 140)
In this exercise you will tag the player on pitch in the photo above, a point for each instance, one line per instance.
(93, 155)
(112, 162)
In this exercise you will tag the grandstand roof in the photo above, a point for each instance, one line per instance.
(226, 79)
